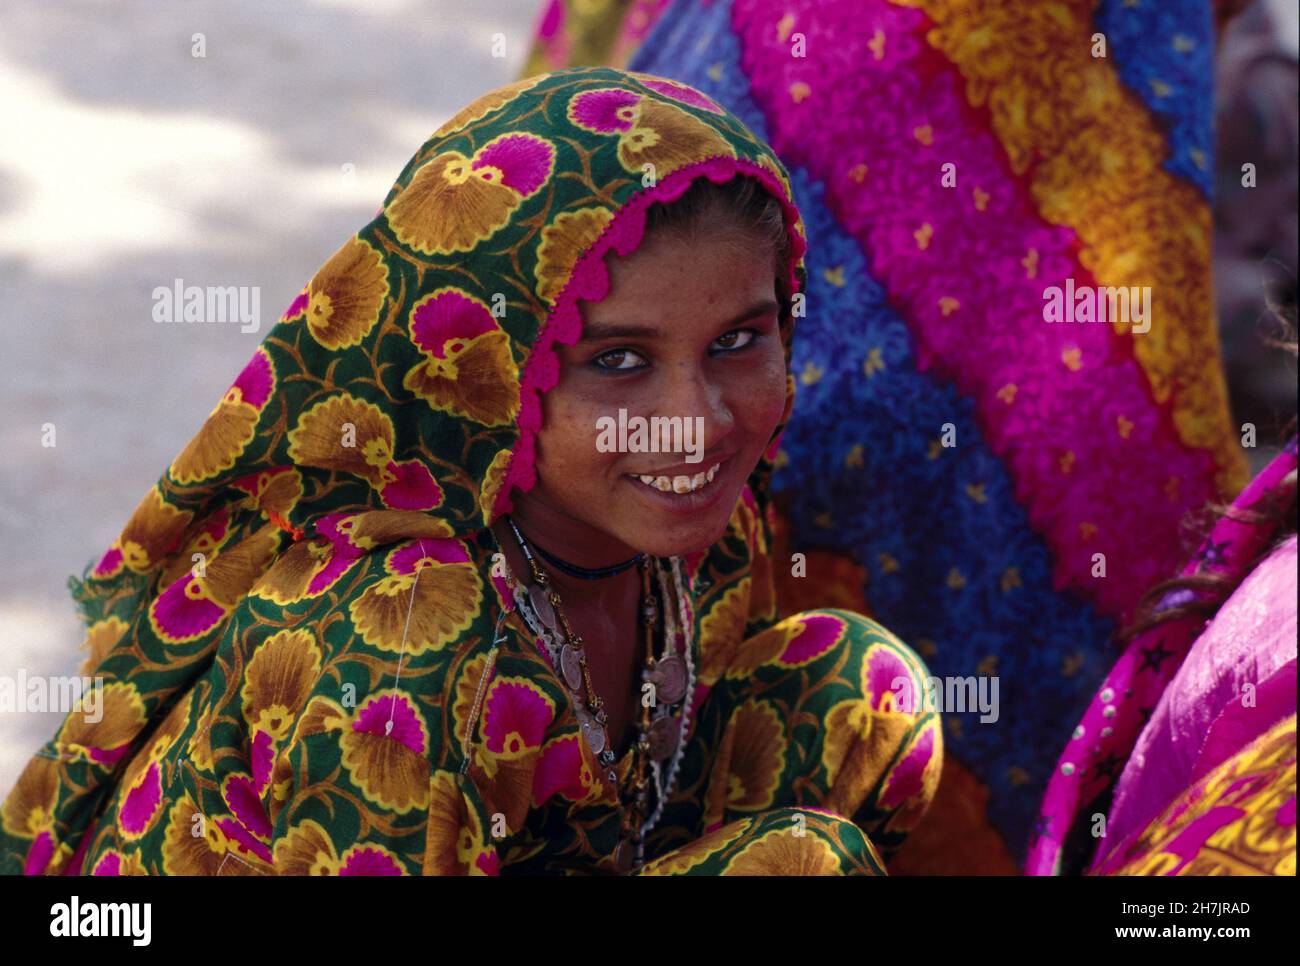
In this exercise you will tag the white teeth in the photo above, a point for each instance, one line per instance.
(681, 484)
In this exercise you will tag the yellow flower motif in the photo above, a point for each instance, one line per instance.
(454, 202)
(278, 680)
(346, 295)
(688, 856)
(563, 241)
(721, 631)
(782, 852)
(748, 762)
(100, 638)
(154, 530)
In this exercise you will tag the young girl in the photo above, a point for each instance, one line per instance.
(396, 609)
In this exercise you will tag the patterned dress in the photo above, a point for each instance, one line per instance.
(307, 663)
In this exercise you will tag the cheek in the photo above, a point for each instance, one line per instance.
(568, 436)
(762, 392)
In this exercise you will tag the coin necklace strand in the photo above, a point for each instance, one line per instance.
(657, 738)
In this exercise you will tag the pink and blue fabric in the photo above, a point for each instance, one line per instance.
(953, 162)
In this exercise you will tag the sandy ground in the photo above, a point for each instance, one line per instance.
(126, 163)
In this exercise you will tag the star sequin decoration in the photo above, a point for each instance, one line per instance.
(1214, 552)
(1153, 657)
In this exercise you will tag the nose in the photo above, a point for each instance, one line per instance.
(688, 392)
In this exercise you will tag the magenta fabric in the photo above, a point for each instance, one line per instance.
(1248, 643)
(1104, 739)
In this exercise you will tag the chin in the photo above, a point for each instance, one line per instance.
(678, 541)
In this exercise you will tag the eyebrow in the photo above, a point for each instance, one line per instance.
(597, 332)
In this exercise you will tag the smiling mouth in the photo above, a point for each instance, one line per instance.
(679, 484)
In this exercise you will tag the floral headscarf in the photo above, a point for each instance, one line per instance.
(398, 399)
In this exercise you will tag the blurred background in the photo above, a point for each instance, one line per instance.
(127, 162)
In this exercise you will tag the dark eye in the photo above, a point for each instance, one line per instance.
(618, 355)
(730, 344)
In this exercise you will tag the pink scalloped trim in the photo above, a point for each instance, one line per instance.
(590, 282)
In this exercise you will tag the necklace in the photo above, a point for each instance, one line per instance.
(587, 573)
(659, 731)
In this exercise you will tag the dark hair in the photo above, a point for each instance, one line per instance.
(1277, 509)
(753, 213)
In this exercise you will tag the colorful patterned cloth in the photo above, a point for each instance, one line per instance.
(1248, 651)
(1237, 820)
(296, 625)
(1083, 781)
(954, 160)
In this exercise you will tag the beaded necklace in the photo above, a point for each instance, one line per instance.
(660, 732)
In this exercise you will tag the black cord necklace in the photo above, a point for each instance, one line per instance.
(573, 570)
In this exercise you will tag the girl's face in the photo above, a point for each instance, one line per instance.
(689, 329)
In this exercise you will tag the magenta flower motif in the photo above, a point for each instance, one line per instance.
(108, 756)
(256, 382)
(523, 160)
(343, 552)
(413, 489)
(109, 564)
(405, 559)
(884, 667)
(820, 633)
(298, 306)
(367, 860)
(606, 111)
(906, 778)
(39, 855)
(445, 324)
(560, 770)
(262, 759)
(183, 612)
(245, 805)
(516, 716)
(110, 864)
(242, 839)
(140, 806)
(375, 715)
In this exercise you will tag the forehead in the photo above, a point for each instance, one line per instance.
(694, 269)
